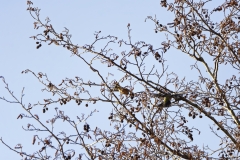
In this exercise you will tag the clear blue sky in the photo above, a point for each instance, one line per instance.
(82, 18)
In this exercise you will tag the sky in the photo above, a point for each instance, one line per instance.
(82, 18)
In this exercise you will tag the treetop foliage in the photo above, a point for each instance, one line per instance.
(150, 105)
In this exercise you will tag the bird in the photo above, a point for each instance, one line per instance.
(166, 99)
(120, 89)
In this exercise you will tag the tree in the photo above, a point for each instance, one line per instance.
(148, 115)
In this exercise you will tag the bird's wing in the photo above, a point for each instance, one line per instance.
(177, 95)
(180, 93)
(158, 95)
